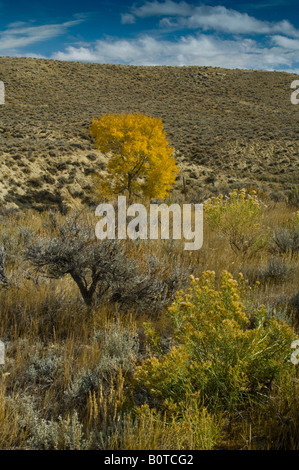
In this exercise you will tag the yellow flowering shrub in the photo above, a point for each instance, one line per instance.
(223, 350)
(237, 217)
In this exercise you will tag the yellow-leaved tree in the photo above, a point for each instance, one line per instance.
(141, 160)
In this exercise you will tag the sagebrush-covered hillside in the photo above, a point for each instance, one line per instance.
(230, 128)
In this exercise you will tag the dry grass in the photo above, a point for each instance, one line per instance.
(69, 377)
(68, 381)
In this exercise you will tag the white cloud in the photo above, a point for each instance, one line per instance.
(200, 50)
(230, 21)
(218, 18)
(286, 43)
(160, 9)
(18, 35)
(251, 43)
(127, 18)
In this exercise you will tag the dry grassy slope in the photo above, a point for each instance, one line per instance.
(229, 127)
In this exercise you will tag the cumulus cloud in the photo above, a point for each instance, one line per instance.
(218, 18)
(189, 50)
(205, 35)
(286, 43)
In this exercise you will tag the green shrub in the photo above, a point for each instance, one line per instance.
(276, 270)
(120, 349)
(103, 269)
(286, 239)
(225, 351)
(64, 434)
(293, 196)
(237, 218)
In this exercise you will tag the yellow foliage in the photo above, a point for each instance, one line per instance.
(238, 218)
(141, 159)
(225, 350)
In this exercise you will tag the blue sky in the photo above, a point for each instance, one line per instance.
(262, 34)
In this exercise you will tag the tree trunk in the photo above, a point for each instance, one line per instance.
(86, 294)
(130, 186)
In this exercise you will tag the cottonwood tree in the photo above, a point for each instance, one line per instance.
(141, 160)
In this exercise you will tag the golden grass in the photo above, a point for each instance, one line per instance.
(49, 336)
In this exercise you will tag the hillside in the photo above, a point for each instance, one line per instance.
(114, 345)
(230, 128)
